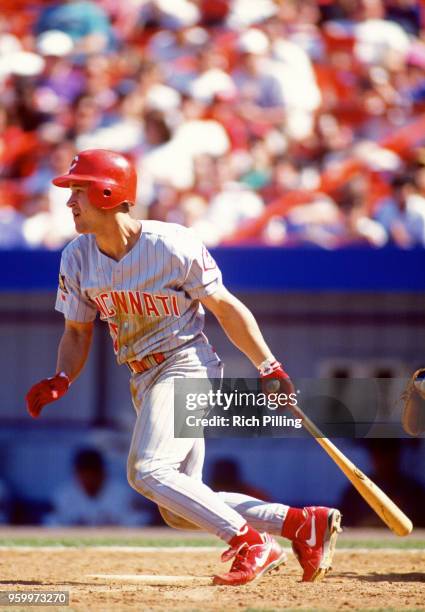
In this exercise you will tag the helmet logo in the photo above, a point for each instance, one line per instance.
(73, 164)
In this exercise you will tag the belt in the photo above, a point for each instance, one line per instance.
(144, 364)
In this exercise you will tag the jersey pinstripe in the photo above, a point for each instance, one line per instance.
(150, 298)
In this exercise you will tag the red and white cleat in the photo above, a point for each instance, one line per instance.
(251, 562)
(315, 539)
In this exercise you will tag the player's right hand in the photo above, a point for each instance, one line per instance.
(274, 379)
(46, 391)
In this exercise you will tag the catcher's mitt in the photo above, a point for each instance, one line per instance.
(413, 418)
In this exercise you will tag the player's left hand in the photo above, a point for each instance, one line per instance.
(46, 391)
(274, 379)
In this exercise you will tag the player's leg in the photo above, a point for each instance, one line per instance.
(192, 466)
(169, 469)
(261, 515)
(153, 467)
(153, 470)
(154, 460)
(313, 530)
(298, 525)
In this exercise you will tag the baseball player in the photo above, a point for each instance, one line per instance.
(149, 281)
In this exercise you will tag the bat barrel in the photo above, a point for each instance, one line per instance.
(385, 508)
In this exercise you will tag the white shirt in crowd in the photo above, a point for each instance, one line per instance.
(111, 506)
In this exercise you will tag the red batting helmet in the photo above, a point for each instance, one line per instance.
(111, 178)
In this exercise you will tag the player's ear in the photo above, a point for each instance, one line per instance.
(123, 207)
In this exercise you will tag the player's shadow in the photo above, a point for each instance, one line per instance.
(45, 583)
(391, 577)
(23, 582)
(395, 577)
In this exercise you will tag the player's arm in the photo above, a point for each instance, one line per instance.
(73, 350)
(242, 329)
(203, 283)
(239, 324)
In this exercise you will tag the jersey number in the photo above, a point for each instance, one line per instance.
(113, 330)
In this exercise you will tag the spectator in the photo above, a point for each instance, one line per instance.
(379, 41)
(319, 223)
(61, 81)
(386, 471)
(92, 498)
(402, 215)
(301, 95)
(9, 43)
(86, 121)
(49, 223)
(260, 94)
(406, 13)
(231, 207)
(11, 228)
(84, 21)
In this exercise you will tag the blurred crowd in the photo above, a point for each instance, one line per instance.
(287, 123)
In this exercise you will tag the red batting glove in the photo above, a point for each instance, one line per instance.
(46, 391)
(274, 379)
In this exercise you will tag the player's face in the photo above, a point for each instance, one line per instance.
(87, 218)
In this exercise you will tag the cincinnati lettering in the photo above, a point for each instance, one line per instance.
(137, 303)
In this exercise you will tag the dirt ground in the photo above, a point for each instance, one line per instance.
(376, 579)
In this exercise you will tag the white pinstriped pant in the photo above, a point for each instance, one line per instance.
(168, 470)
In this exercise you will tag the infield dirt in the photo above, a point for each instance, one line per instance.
(361, 580)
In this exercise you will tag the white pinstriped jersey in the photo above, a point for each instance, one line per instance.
(150, 298)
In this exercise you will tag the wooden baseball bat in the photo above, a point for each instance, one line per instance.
(384, 507)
